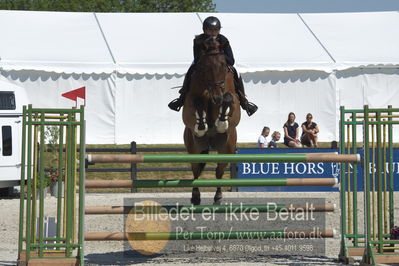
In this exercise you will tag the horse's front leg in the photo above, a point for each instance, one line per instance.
(201, 126)
(222, 123)
(219, 175)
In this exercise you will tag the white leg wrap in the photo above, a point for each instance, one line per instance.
(197, 132)
(222, 126)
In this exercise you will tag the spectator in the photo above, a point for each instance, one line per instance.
(275, 137)
(309, 132)
(291, 132)
(334, 144)
(262, 140)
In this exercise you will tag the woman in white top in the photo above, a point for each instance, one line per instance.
(262, 140)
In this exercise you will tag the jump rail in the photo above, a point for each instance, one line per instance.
(253, 182)
(98, 210)
(223, 158)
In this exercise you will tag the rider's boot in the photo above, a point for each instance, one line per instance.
(249, 107)
(177, 103)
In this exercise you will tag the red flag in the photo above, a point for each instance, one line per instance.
(74, 94)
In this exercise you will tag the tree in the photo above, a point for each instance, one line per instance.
(110, 5)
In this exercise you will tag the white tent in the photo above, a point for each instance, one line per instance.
(129, 62)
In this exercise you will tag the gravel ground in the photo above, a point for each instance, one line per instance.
(112, 253)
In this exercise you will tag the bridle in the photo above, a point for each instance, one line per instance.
(217, 84)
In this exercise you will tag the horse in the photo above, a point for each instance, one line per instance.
(211, 112)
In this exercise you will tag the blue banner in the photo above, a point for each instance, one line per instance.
(301, 170)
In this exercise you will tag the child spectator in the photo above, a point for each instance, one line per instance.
(262, 140)
(275, 137)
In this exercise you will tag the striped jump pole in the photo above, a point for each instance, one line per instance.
(223, 158)
(268, 207)
(253, 182)
(216, 235)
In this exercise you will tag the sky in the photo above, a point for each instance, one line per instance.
(304, 6)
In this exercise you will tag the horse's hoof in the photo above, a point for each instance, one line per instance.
(200, 132)
(217, 201)
(221, 126)
(196, 201)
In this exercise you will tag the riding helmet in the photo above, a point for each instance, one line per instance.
(211, 23)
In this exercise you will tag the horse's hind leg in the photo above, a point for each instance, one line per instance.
(196, 194)
(229, 148)
(219, 174)
(197, 170)
(193, 148)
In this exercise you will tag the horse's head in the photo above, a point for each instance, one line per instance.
(213, 68)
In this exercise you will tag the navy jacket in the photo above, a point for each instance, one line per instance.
(228, 53)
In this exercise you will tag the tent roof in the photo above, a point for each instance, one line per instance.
(151, 42)
(358, 39)
(52, 41)
(161, 43)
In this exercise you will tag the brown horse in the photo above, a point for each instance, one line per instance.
(211, 112)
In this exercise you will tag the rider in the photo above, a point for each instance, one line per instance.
(211, 27)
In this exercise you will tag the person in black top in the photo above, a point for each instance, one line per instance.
(309, 132)
(291, 132)
(211, 27)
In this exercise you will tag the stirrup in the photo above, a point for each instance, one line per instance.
(176, 104)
